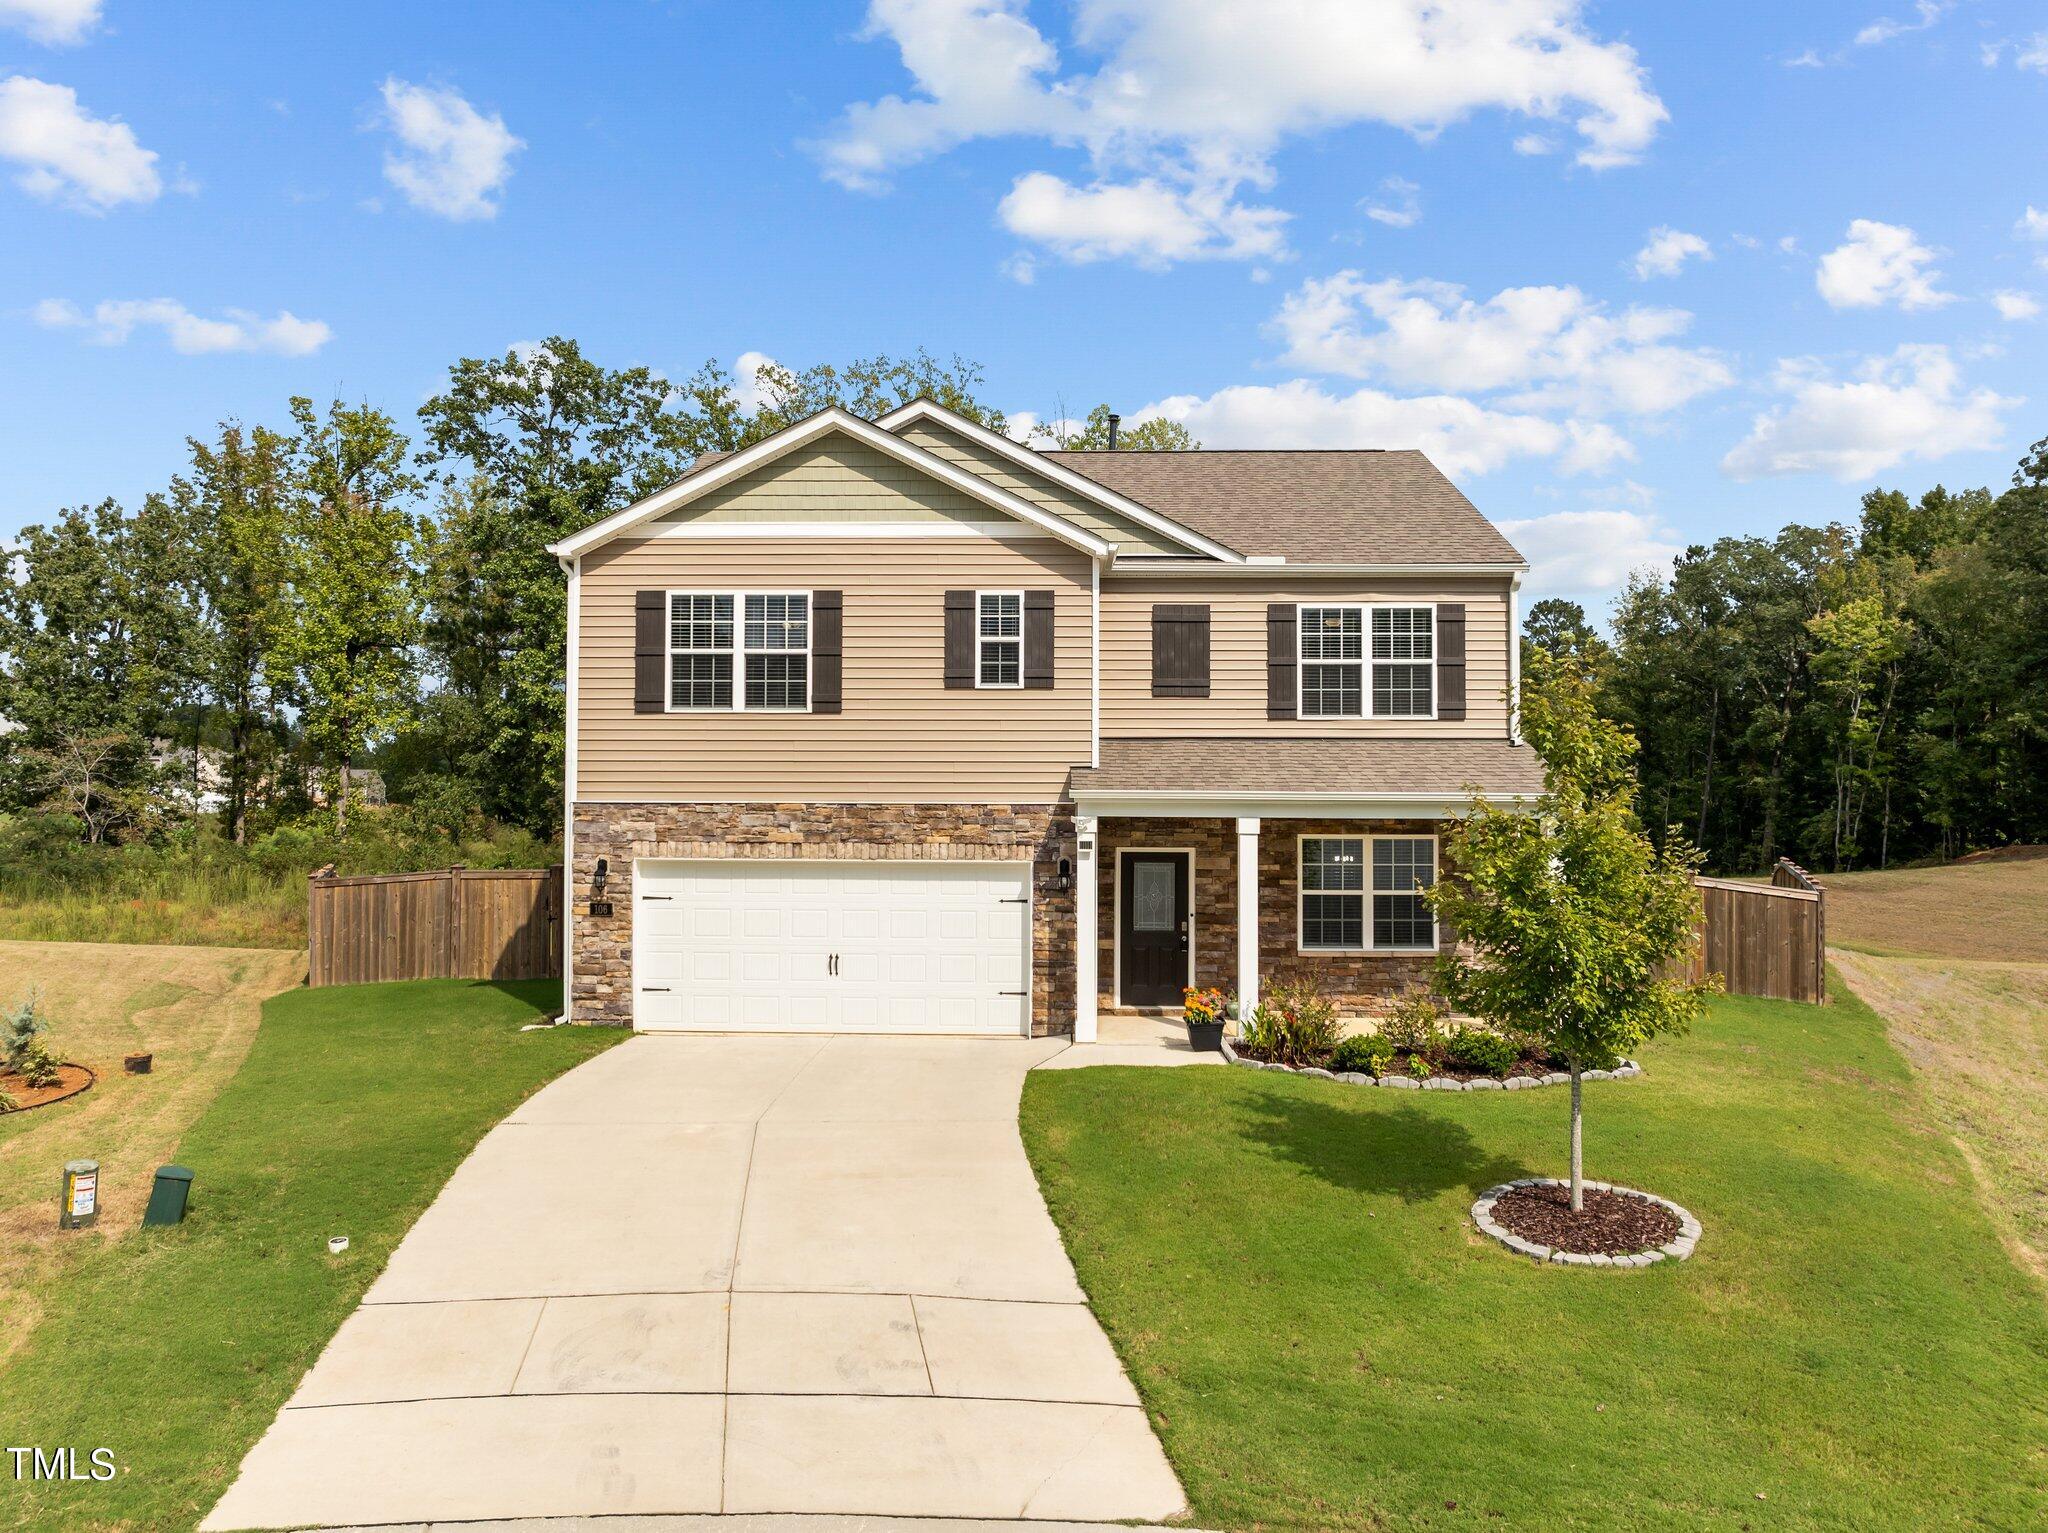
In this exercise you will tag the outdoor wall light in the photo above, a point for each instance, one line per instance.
(598, 878)
(1066, 879)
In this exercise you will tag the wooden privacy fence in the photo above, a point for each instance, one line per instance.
(454, 923)
(1765, 939)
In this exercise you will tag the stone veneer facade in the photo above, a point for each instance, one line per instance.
(602, 990)
(1360, 983)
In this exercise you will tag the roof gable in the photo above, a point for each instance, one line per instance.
(702, 482)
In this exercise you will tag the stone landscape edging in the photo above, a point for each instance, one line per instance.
(1677, 1249)
(1627, 1069)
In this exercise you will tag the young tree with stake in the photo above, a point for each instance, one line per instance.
(1573, 917)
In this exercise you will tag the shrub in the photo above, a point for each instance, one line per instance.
(20, 1027)
(1365, 1055)
(1294, 1025)
(38, 1067)
(1418, 1067)
(7, 1103)
(1486, 1052)
(1416, 1024)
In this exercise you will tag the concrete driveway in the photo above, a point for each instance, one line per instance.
(727, 1275)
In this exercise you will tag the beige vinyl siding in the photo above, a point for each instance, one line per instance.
(1129, 536)
(832, 479)
(903, 737)
(1236, 704)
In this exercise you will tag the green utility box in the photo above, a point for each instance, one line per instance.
(79, 1206)
(167, 1195)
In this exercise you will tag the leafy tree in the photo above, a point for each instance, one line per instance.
(869, 387)
(350, 613)
(1154, 434)
(1576, 920)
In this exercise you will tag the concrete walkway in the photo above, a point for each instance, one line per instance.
(727, 1275)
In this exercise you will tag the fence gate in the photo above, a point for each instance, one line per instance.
(1765, 939)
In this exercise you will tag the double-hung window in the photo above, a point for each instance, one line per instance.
(1363, 894)
(1332, 662)
(999, 639)
(1404, 662)
(762, 639)
(1340, 679)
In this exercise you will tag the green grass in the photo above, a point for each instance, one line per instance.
(175, 1347)
(1287, 1268)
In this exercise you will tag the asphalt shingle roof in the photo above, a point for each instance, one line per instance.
(1267, 765)
(1335, 506)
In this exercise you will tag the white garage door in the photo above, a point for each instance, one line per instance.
(832, 947)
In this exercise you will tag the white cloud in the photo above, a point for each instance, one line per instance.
(1667, 251)
(1534, 144)
(67, 154)
(1880, 264)
(2015, 305)
(1459, 435)
(1399, 207)
(1587, 554)
(2033, 53)
(1145, 221)
(1197, 96)
(453, 161)
(1909, 405)
(1021, 268)
(1554, 346)
(746, 379)
(2032, 224)
(113, 321)
(55, 22)
(1885, 28)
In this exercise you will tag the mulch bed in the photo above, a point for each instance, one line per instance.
(1611, 1223)
(71, 1079)
(1534, 1069)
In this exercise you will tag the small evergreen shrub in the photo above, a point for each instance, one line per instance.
(38, 1067)
(1487, 1053)
(20, 1028)
(1363, 1055)
(1416, 1025)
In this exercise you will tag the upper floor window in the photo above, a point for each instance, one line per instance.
(1335, 664)
(768, 648)
(1404, 662)
(999, 639)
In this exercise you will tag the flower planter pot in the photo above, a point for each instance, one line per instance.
(1205, 1037)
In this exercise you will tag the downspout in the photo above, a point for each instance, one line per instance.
(1515, 659)
(573, 568)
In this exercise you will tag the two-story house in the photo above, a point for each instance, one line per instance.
(900, 726)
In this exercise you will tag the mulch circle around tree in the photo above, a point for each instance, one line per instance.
(1609, 1223)
(1617, 1227)
(71, 1079)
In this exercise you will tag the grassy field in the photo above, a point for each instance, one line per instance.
(195, 1008)
(176, 1347)
(1994, 909)
(225, 908)
(1288, 1269)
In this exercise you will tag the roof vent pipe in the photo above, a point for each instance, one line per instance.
(1113, 420)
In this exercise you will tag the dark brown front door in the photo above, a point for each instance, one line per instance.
(1152, 927)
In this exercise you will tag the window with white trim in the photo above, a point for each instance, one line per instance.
(1332, 893)
(1403, 662)
(1332, 662)
(999, 639)
(699, 650)
(1362, 894)
(768, 647)
(1402, 867)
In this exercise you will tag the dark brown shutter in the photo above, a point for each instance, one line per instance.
(827, 643)
(959, 638)
(1283, 656)
(1180, 650)
(1038, 639)
(650, 651)
(1450, 660)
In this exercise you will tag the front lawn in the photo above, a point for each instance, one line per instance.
(1288, 1269)
(176, 1347)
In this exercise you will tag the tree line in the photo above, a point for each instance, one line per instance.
(1847, 696)
(342, 591)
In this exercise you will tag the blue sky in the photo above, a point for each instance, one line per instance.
(1636, 275)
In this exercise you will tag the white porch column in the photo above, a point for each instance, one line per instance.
(1084, 928)
(1247, 917)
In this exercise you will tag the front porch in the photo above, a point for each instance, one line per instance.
(1242, 864)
